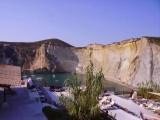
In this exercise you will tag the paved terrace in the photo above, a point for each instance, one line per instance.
(21, 106)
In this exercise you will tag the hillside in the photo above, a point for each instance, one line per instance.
(130, 61)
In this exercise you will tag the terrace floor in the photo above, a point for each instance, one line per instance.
(21, 107)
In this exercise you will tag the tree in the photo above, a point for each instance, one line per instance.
(83, 103)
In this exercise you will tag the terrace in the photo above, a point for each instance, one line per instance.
(21, 106)
(16, 101)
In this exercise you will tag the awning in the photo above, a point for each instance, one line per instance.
(10, 75)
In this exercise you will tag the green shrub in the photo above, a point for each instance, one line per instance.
(145, 88)
(83, 104)
(143, 91)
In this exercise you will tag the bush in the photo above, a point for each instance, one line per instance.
(145, 88)
(83, 104)
(143, 91)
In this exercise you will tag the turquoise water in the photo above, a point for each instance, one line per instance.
(49, 79)
(58, 79)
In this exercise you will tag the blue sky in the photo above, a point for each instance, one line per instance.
(78, 22)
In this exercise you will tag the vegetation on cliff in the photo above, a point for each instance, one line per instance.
(145, 87)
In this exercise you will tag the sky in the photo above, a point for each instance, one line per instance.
(78, 22)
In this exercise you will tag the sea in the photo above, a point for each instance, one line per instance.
(59, 79)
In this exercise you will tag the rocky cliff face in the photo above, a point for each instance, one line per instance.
(131, 61)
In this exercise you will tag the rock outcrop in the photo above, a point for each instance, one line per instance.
(131, 61)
